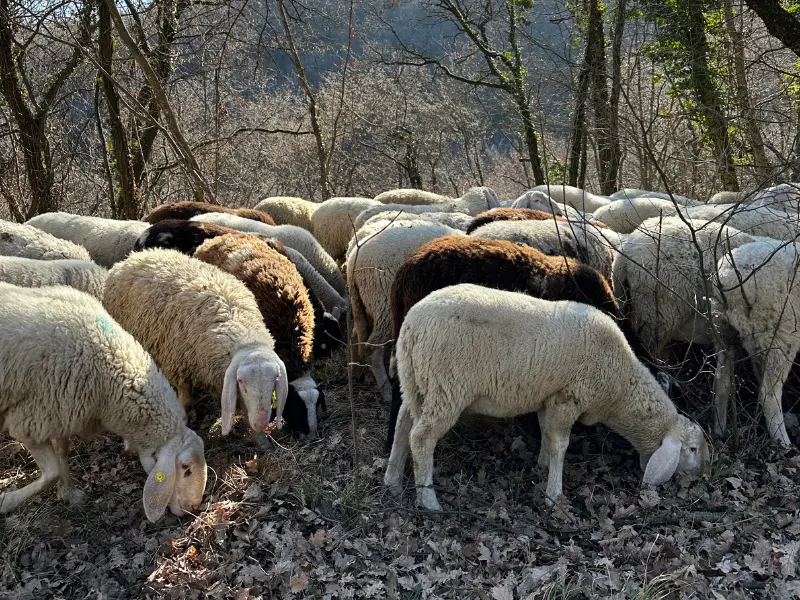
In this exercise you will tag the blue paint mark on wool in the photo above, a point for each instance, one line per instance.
(106, 325)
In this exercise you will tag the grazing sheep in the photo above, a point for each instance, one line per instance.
(453, 357)
(760, 299)
(474, 201)
(333, 223)
(187, 236)
(511, 214)
(657, 276)
(502, 265)
(30, 242)
(536, 200)
(458, 221)
(755, 220)
(288, 210)
(572, 196)
(555, 238)
(289, 235)
(727, 197)
(187, 210)
(370, 272)
(178, 234)
(623, 216)
(108, 241)
(66, 369)
(285, 308)
(203, 328)
(631, 193)
(411, 196)
(82, 275)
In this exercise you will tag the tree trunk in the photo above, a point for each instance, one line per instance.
(127, 206)
(780, 23)
(531, 141)
(706, 95)
(616, 88)
(607, 146)
(579, 122)
(749, 121)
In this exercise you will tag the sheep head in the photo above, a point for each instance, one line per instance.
(683, 449)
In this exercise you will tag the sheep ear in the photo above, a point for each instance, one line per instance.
(230, 394)
(160, 483)
(663, 462)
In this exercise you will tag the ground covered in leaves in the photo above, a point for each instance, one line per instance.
(312, 520)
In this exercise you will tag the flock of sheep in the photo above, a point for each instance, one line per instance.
(560, 302)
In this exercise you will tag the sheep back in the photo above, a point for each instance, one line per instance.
(511, 214)
(27, 241)
(333, 223)
(82, 275)
(288, 210)
(187, 210)
(191, 316)
(410, 196)
(278, 289)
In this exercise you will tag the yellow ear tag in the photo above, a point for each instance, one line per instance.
(324, 346)
(160, 477)
(274, 399)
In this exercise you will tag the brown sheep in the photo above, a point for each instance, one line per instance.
(286, 309)
(511, 214)
(187, 210)
(501, 265)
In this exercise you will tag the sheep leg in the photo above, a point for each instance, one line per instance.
(184, 389)
(558, 427)
(776, 370)
(723, 387)
(66, 486)
(424, 435)
(544, 444)
(378, 353)
(399, 455)
(49, 465)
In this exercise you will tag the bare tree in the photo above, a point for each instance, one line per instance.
(31, 107)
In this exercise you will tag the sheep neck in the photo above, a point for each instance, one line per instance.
(641, 412)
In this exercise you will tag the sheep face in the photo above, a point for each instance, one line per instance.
(177, 478)
(302, 405)
(256, 376)
(327, 336)
(684, 449)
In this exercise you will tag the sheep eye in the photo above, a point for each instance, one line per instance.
(693, 449)
(187, 473)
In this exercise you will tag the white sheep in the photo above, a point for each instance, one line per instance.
(29, 242)
(623, 216)
(574, 240)
(756, 220)
(458, 221)
(630, 193)
(453, 357)
(67, 369)
(82, 275)
(107, 240)
(203, 328)
(537, 200)
(572, 196)
(759, 296)
(728, 197)
(333, 223)
(783, 197)
(289, 210)
(411, 196)
(371, 267)
(290, 236)
(657, 275)
(473, 202)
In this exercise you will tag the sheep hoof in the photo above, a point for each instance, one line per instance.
(426, 498)
(73, 497)
(392, 481)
